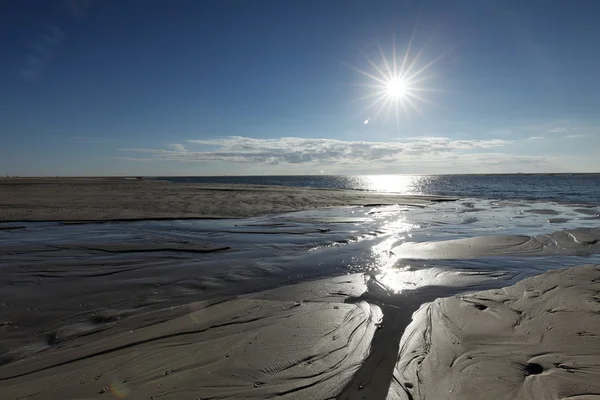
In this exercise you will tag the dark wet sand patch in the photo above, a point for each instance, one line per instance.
(329, 220)
(543, 211)
(287, 231)
(146, 247)
(588, 211)
(557, 220)
(11, 227)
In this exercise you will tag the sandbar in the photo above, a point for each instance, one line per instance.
(111, 199)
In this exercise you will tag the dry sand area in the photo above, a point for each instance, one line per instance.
(101, 199)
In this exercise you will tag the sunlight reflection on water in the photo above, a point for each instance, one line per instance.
(568, 188)
(406, 278)
(404, 184)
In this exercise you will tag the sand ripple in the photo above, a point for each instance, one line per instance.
(583, 241)
(537, 339)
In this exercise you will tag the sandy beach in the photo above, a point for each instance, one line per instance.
(337, 301)
(109, 199)
(537, 339)
(322, 340)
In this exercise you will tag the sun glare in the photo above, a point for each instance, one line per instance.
(396, 88)
(398, 82)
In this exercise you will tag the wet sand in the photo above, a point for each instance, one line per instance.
(538, 339)
(302, 341)
(329, 339)
(209, 309)
(110, 199)
(582, 241)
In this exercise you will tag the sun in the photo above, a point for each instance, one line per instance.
(396, 88)
(398, 82)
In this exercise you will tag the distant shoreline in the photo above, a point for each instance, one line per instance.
(110, 199)
(155, 177)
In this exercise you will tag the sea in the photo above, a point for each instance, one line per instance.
(563, 188)
(51, 282)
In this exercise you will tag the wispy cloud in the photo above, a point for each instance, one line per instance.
(445, 163)
(557, 130)
(293, 150)
(566, 132)
(537, 138)
(176, 146)
(42, 52)
(133, 159)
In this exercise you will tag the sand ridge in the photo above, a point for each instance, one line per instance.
(580, 241)
(538, 339)
(301, 342)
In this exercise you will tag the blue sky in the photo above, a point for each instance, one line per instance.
(194, 87)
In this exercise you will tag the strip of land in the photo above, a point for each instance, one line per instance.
(110, 199)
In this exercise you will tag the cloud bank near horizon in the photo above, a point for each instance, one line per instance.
(295, 150)
(241, 155)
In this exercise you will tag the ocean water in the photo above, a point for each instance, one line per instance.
(563, 188)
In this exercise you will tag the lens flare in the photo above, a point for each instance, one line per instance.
(119, 389)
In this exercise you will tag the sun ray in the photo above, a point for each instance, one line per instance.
(420, 98)
(381, 53)
(428, 65)
(414, 106)
(404, 107)
(376, 67)
(408, 73)
(397, 118)
(389, 105)
(414, 81)
(394, 62)
(378, 101)
(406, 54)
(380, 80)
